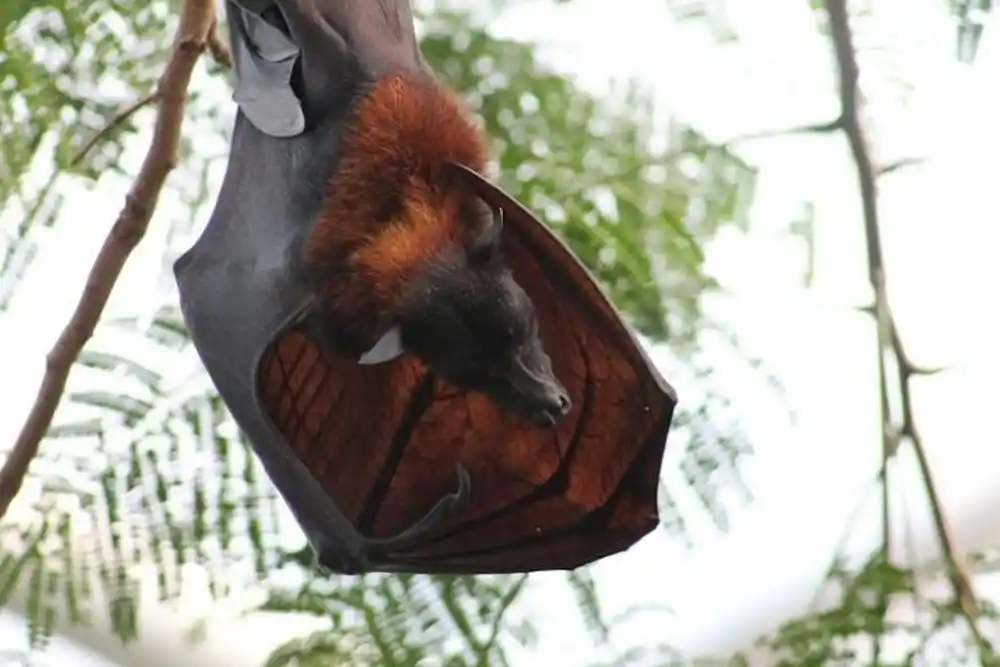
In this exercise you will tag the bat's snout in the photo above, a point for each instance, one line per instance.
(543, 398)
(549, 402)
(552, 408)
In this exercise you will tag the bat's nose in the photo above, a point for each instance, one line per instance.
(554, 405)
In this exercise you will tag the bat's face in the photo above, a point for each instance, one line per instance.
(470, 322)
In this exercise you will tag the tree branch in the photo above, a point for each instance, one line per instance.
(890, 342)
(128, 229)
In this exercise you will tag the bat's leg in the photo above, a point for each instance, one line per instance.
(448, 504)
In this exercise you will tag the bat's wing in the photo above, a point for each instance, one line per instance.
(237, 291)
(383, 440)
(239, 283)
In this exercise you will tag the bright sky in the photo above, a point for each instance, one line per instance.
(810, 475)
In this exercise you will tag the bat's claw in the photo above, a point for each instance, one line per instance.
(445, 507)
(369, 554)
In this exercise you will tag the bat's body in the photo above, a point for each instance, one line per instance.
(346, 296)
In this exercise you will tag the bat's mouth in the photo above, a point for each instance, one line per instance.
(535, 391)
(543, 403)
(531, 391)
(551, 410)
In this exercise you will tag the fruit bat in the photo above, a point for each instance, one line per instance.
(429, 377)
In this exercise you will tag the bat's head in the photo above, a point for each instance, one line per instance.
(407, 256)
(466, 317)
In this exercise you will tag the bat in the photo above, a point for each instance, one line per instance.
(430, 378)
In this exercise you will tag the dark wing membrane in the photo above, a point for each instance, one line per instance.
(383, 440)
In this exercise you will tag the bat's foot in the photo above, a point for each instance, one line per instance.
(370, 553)
(328, 562)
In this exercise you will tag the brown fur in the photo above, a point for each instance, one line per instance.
(391, 205)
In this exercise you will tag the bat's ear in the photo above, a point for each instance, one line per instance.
(533, 240)
(487, 239)
(388, 347)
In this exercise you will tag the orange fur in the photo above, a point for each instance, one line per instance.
(391, 205)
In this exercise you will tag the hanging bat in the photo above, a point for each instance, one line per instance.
(430, 378)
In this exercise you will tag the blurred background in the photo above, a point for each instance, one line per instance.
(680, 147)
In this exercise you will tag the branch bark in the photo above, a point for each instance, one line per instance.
(189, 42)
(890, 342)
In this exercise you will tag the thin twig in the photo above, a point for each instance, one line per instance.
(795, 131)
(889, 338)
(117, 120)
(813, 128)
(899, 165)
(125, 234)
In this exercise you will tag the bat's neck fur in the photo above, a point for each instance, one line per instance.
(391, 206)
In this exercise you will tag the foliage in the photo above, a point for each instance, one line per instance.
(919, 629)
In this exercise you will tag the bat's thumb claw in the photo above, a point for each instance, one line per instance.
(413, 535)
(462, 494)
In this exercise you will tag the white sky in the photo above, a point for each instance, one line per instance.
(808, 476)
